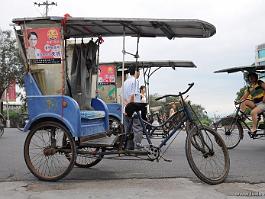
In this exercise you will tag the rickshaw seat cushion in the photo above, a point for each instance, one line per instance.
(90, 115)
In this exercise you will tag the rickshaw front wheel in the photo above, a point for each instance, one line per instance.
(49, 151)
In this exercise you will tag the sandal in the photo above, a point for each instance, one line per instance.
(252, 134)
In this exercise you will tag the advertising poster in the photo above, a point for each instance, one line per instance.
(10, 93)
(43, 45)
(107, 93)
(107, 74)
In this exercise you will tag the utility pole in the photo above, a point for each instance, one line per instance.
(46, 4)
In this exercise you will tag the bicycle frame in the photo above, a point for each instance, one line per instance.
(187, 116)
(243, 123)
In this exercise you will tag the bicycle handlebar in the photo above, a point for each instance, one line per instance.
(241, 101)
(180, 93)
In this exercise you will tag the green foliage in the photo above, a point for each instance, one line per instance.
(11, 67)
(13, 117)
(240, 93)
(201, 114)
(198, 109)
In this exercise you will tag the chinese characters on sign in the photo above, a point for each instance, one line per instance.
(106, 74)
(107, 83)
(43, 45)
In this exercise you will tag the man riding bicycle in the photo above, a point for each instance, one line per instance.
(256, 92)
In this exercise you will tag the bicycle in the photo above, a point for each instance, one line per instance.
(231, 127)
(2, 124)
(201, 142)
(22, 121)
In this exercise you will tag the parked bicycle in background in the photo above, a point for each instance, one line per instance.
(2, 124)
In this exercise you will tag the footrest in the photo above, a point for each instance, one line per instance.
(100, 142)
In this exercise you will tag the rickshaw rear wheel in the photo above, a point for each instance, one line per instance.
(49, 151)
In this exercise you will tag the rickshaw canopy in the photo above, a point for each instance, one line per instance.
(250, 68)
(79, 27)
(152, 64)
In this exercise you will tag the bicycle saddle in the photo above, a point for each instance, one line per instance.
(134, 107)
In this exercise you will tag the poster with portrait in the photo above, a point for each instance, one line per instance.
(107, 74)
(43, 45)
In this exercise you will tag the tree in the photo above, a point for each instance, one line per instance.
(198, 109)
(240, 93)
(11, 67)
(201, 114)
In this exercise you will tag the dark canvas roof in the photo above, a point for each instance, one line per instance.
(149, 64)
(242, 69)
(94, 27)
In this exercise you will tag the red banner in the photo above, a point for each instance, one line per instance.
(107, 74)
(10, 93)
(44, 45)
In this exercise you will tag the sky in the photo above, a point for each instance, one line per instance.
(239, 29)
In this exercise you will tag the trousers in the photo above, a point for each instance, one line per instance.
(136, 129)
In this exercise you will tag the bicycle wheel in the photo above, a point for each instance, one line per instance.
(230, 130)
(88, 160)
(207, 155)
(1, 126)
(21, 122)
(49, 151)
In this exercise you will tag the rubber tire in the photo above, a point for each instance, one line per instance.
(27, 157)
(91, 164)
(239, 128)
(192, 164)
(2, 129)
(114, 119)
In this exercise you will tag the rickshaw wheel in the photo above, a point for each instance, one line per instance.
(49, 151)
(115, 126)
(88, 160)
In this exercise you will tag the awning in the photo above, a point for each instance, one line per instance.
(78, 27)
(250, 68)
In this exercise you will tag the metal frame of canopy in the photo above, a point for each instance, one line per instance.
(75, 27)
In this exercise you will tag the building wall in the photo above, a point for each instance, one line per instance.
(260, 55)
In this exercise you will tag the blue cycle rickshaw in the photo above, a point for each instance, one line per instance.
(68, 125)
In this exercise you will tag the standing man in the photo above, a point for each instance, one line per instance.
(132, 94)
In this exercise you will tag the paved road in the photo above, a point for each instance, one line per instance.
(247, 163)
